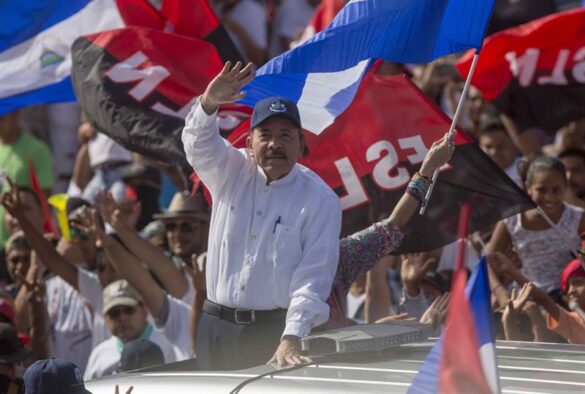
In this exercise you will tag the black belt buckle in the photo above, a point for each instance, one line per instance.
(242, 316)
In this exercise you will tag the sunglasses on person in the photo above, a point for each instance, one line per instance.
(115, 312)
(183, 227)
(76, 233)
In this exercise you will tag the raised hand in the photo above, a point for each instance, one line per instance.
(414, 268)
(436, 313)
(225, 87)
(117, 390)
(11, 200)
(439, 154)
(197, 275)
(109, 210)
(394, 318)
(88, 222)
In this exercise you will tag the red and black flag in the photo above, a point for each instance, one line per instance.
(189, 18)
(137, 85)
(372, 150)
(535, 73)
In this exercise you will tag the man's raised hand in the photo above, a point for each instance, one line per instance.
(11, 200)
(225, 87)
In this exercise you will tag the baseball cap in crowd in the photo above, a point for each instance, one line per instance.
(574, 268)
(140, 353)
(6, 311)
(12, 350)
(120, 293)
(185, 206)
(16, 240)
(142, 173)
(275, 106)
(54, 376)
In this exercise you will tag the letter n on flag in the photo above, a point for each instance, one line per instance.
(463, 360)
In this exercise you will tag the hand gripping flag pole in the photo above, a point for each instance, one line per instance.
(452, 130)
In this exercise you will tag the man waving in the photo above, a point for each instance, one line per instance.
(274, 231)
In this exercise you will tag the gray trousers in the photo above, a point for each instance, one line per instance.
(223, 345)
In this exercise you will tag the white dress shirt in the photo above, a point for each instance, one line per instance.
(271, 245)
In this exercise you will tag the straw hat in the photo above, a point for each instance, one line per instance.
(187, 207)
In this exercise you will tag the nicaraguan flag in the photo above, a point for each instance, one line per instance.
(322, 75)
(433, 376)
(35, 41)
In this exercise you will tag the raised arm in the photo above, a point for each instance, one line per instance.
(211, 156)
(154, 257)
(125, 264)
(439, 154)
(42, 247)
(361, 251)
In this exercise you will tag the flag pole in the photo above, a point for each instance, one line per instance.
(452, 130)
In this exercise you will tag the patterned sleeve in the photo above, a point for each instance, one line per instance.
(359, 252)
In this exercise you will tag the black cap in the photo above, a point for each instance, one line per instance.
(54, 376)
(275, 106)
(74, 203)
(12, 350)
(140, 353)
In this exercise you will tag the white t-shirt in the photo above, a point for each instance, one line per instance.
(292, 16)
(102, 149)
(70, 321)
(104, 359)
(91, 289)
(252, 17)
(176, 327)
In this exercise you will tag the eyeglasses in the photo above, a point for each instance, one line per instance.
(114, 313)
(183, 227)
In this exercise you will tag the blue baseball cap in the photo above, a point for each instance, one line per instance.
(275, 106)
(54, 376)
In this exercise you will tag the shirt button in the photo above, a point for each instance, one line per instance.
(247, 263)
(253, 237)
(259, 213)
(242, 288)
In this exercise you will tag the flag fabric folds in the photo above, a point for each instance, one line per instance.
(138, 84)
(535, 73)
(323, 74)
(463, 359)
(35, 60)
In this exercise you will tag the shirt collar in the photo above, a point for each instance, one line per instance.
(282, 181)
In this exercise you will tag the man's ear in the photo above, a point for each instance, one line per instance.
(249, 143)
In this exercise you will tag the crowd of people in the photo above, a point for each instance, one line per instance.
(133, 268)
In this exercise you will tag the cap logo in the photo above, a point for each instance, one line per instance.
(78, 376)
(277, 106)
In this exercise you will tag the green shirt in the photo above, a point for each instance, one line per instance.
(14, 159)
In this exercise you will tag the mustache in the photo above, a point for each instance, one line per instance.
(275, 154)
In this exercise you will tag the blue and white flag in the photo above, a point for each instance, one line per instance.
(35, 41)
(322, 75)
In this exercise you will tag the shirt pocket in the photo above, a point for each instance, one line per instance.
(287, 251)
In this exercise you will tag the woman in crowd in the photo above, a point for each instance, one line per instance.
(543, 250)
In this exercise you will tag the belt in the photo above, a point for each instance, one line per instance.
(242, 316)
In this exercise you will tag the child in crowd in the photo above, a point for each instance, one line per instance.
(570, 325)
(543, 250)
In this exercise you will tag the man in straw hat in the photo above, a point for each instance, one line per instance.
(274, 232)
